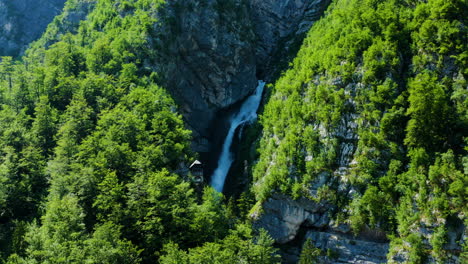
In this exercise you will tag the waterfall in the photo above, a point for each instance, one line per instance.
(247, 113)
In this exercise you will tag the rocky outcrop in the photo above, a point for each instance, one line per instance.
(278, 24)
(208, 57)
(211, 51)
(22, 21)
(285, 219)
(347, 249)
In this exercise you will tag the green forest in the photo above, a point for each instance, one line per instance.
(93, 147)
(396, 73)
(90, 149)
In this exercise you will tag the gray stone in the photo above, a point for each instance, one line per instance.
(350, 250)
(282, 217)
(279, 22)
(208, 59)
(210, 52)
(343, 228)
(23, 21)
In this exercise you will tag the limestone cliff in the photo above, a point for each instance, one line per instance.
(214, 51)
(289, 221)
(279, 24)
(208, 58)
(23, 21)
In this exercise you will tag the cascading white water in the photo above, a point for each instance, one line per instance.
(247, 113)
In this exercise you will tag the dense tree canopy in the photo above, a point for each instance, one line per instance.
(94, 154)
(375, 102)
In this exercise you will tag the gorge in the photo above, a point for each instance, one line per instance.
(353, 148)
(247, 113)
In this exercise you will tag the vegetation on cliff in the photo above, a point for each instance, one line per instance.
(372, 117)
(376, 103)
(93, 153)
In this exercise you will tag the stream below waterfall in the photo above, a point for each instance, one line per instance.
(247, 113)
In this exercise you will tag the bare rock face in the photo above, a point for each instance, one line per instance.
(23, 21)
(212, 51)
(285, 218)
(349, 249)
(279, 23)
(208, 56)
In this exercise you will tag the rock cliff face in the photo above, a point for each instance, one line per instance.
(214, 49)
(23, 21)
(285, 219)
(208, 57)
(278, 24)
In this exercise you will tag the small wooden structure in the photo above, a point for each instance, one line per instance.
(196, 169)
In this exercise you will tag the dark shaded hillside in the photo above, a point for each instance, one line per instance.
(23, 21)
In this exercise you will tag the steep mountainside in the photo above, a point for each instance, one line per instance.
(280, 27)
(94, 154)
(359, 155)
(212, 52)
(369, 131)
(22, 22)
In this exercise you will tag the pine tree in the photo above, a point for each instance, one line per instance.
(309, 253)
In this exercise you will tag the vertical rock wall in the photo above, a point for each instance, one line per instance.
(279, 24)
(212, 51)
(23, 21)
